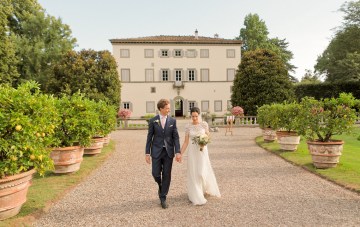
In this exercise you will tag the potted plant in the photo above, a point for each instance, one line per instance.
(27, 122)
(107, 120)
(265, 115)
(123, 115)
(238, 112)
(320, 121)
(285, 122)
(77, 126)
(103, 126)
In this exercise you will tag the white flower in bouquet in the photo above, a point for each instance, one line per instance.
(201, 140)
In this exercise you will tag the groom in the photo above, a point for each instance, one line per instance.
(161, 146)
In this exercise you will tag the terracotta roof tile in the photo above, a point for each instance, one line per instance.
(176, 39)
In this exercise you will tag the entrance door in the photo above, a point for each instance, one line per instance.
(178, 108)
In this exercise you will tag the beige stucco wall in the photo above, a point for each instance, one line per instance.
(137, 92)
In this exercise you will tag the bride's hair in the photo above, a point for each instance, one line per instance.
(195, 109)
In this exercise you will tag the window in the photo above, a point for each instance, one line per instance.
(153, 90)
(126, 105)
(125, 75)
(204, 74)
(204, 53)
(150, 107)
(191, 53)
(191, 105)
(164, 53)
(178, 75)
(204, 106)
(191, 75)
(165, 75)
(230, 53)
(124, 53)
(218, 105)
(230, 74)
(178, 53)
(149, 53)
(149, 75)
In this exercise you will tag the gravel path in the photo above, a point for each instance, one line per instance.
(257, 187)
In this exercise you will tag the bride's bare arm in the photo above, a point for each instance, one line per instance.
(185, 144)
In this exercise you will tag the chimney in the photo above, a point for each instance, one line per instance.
(216, 35)
(196, 34)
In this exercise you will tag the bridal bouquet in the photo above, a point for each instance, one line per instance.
(201, 140)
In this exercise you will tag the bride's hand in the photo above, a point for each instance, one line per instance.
(178, 157)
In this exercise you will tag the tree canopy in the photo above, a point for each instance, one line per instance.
(255, 36)
(8, 60)
(31, 42)
(262, 78)
(340, 61)
(90, 72)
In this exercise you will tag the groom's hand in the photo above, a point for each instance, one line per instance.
(178, 157)
(147, 159)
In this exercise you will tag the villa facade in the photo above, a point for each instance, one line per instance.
(187, 70)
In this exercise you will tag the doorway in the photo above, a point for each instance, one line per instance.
(179, 107)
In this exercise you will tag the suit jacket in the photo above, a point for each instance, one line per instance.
(158, 137)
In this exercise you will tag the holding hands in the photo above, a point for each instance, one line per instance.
(178, 157)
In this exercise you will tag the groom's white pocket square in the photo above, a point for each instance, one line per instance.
(170, 126)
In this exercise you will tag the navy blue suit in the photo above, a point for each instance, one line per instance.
(162, 144)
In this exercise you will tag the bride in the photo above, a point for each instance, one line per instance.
(201, 180)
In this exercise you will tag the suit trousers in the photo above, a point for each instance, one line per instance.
(161, 171)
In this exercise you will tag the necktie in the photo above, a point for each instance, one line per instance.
(163, 122)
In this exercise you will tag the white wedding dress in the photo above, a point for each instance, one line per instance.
(200, 175)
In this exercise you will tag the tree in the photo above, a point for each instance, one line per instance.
(8, 60)
(255, 36)
(261, 78)
(41, 41)
(344, 47)
(352, 13)
(310, 78)
(340, 60)
(90, 72)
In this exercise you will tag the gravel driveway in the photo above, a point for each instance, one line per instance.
(257, 187)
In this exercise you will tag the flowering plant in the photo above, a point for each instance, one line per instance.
(321, 119)
(124, 113)
(237, 111)
(201, 140)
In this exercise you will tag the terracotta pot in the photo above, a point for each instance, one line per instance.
(288, 140)
(325, 154)
(96, 145)
(13, 191)
(269, 135)
(67, 159)
(106, 140)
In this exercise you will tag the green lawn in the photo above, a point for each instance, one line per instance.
(347, 172)
(52, 187)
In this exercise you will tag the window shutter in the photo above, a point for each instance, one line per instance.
(186, 106)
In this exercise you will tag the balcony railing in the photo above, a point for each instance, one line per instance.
(178, 84)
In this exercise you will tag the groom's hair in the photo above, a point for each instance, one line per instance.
(162, 103)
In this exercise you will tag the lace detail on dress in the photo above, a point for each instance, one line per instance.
(194, 130)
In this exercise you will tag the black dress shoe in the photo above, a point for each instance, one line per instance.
(164, 204)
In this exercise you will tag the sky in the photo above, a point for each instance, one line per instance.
(307, 25)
